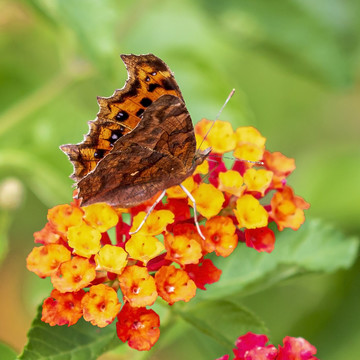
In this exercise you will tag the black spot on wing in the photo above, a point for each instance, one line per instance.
(152, 87)
(116, 134)
(99, 153)
(145, 102)
(122, 115)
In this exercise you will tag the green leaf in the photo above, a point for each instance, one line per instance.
(315, 247)
(81, 341)
(6, 353)
(222, 320)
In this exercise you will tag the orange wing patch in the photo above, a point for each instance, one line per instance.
(148, 79)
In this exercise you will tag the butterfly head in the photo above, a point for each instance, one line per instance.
(200, 156)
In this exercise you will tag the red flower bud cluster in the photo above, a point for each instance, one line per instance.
(253, 347)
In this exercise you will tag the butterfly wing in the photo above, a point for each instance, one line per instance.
(148, 79)
(156, 155)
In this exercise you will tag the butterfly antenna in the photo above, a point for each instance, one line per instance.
(218, 115)
(231, 158)
(187, 192)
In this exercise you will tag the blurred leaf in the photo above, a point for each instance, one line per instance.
(314, 247)
(42, 11)
(294, 34)
(95, 31)
(81, 341)
(317, 247)
(231, 320)
(6, 352)
(93, 23)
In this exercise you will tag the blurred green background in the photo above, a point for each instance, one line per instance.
(295, 66)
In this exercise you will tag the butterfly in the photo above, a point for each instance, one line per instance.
(141, 142)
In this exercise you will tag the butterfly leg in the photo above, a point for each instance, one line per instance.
(149, 212)
(186, 191)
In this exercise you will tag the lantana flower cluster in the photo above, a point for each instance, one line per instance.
(253, 347)
(101, 275)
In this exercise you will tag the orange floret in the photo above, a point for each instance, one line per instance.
(101, 216)
(143, 247)
(287, 209)
(258, 180)
(137, 286)
(73, 275)
(47, 235)
(249, 213)
(231, 182)
(209, 200)
(84, 239)
(176, 192)
(190, 231)
(174, 284)
(182, 249)
(111, 258)
(100, 305)
(139, 327)
(221, 137)
(64, 216)
(62, 308)
(280, 165)
(220, 236)
(45, 260)
(155, 224)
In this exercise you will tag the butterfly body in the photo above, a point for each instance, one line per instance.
(147, 144)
